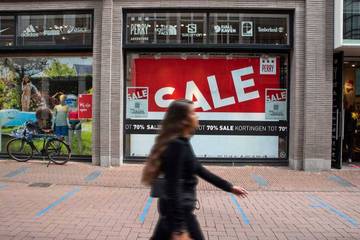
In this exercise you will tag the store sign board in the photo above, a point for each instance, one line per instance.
(137, 102)
(30, 31)
(242, 28)
(85, 106)
(276, 104)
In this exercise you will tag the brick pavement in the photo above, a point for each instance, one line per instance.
(292, 205)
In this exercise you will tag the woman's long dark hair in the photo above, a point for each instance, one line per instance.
(175, 122)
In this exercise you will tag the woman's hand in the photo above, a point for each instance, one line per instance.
(239, 191)
(182, 236)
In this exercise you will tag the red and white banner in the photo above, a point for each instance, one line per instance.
(137, 102)
(85, 106)
(276, 104)
(215, 85)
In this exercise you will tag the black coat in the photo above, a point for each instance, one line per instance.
(180, 168)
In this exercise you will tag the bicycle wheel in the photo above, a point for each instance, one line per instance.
(19, 149)
(58, 151)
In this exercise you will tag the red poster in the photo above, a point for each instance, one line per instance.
(85, 106)
(215, 85)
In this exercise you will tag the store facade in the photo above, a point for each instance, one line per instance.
(250, 69)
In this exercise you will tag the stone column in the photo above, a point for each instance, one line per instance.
(105, 82)
(318, 85)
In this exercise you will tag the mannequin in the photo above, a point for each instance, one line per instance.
(61, 120)
(27, 91)
(75, 122)
(26, 94)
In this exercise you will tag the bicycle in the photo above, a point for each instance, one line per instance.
(21, 148)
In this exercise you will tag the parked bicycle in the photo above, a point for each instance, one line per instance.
(21, 148)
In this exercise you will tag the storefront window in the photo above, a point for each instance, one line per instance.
(236, 28)
(51, 91)
(157, 28)
(241, 100)
(7, 31)
(203, 28)
(351, 20)
(54, 30)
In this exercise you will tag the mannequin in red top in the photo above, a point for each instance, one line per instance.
(75, 128)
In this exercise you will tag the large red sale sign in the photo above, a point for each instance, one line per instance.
(215, 85)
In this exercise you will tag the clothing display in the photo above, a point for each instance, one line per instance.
(61, 131)
(61, 120)
(61, 115)
(74, 121)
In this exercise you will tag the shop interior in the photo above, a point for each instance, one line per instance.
(351, 113)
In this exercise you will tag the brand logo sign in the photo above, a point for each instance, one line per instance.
(224, 29)
(191, 28)
(139, 30)
(3, 30)
(268, 66)
(192, 31)
(166, 30)
(270, 29)
(247, 29)
(56, 30)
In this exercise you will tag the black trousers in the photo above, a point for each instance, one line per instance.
(162, 231)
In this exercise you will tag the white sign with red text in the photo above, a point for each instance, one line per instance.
(268, 66)
(276, 104)
(137, 102)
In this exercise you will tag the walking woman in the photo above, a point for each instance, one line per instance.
(172, 156)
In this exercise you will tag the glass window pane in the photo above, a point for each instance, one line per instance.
(31, 88)
(231, 116)
(351, 20)
(7, 31)
(226, 28)
(160, 28)
(55, 29)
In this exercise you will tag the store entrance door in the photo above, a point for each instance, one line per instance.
(351, 111)
(336, 148)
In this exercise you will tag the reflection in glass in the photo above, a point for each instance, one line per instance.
(351, 19)
(158, 28)
(7, 31)
(45, 89)
(54, 29)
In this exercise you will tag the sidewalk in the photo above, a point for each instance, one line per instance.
(87, 202)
